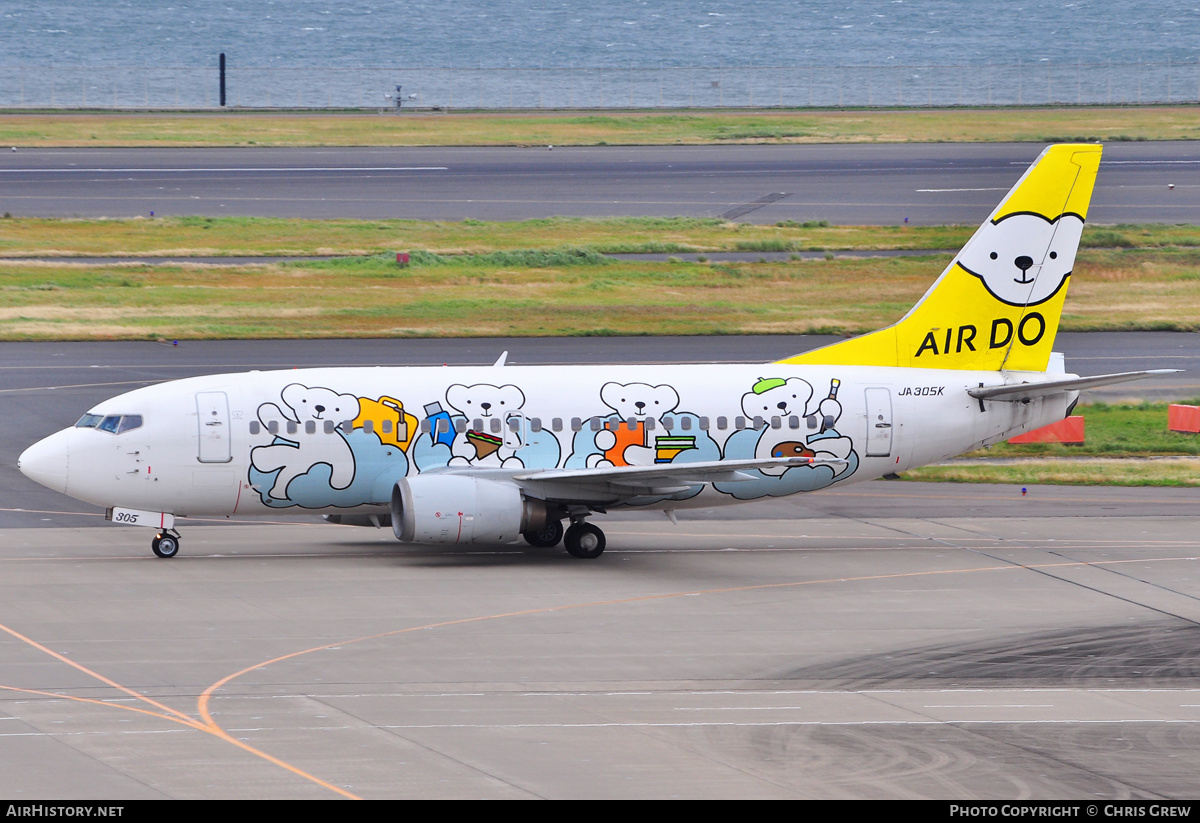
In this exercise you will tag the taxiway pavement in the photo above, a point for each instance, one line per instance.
(888, 640)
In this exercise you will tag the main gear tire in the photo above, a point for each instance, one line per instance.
(585, 541)
(547, 536)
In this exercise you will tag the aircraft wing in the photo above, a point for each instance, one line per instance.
(1024, 392)
(616, 483)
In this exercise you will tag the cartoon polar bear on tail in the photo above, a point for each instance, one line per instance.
(1023, 259)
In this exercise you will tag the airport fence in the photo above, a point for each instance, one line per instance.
(580, 87)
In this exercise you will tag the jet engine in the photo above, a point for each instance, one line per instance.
(460, 508)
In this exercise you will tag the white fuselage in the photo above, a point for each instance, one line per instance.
(338, 439)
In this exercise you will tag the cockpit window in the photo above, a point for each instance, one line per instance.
(129, 422)
(112, 423)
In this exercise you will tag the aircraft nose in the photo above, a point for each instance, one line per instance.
(45, 462)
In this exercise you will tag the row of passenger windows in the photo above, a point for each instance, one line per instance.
(118, 423)
(495, 425)
(112, 423)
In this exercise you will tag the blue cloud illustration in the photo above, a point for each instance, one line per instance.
(377, 467)
(741, 446)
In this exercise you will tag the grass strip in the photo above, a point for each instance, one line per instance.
(1127, 445)
(1113, 430)
(249, 236)
(544, 292)
(635, 127)
(1170, 471)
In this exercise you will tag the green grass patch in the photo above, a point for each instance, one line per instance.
(773, 244)
(1177, 471)
(1127, 445)
(1107, 238)
(1112, 430)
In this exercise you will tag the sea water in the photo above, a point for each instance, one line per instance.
(605, 53)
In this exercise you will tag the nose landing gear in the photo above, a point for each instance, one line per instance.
(165, 543)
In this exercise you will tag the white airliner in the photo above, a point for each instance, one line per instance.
(488, 454)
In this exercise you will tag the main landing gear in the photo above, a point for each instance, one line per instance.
(580, 539)
(547, 536)
(583, 540)
(166, 543)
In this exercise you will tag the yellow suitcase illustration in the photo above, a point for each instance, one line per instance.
(388, 420)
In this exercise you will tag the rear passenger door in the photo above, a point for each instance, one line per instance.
(879, 422)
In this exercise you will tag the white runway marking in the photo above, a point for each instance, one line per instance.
(225, 170)
(652, 725)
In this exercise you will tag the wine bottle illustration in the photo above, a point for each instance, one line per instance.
(828, 420)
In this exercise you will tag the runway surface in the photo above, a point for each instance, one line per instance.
(847, 184)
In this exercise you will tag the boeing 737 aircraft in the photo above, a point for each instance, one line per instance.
(488, 454)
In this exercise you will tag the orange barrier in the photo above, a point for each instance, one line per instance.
(1183, 418)
(1069, 430)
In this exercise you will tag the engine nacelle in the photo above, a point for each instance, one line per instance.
(459, 508)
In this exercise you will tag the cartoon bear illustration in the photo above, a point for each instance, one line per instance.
(484, 445)
(777, 397)
(620, 445)
(295, 453)
(1022, 258)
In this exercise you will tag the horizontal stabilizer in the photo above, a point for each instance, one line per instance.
(1022, 392)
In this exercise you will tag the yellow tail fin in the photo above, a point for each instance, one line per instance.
(998, 304)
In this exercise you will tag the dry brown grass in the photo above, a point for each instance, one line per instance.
(200, 236)
(205, 236)
(463, 297)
